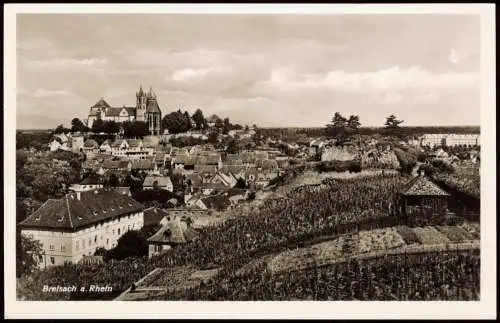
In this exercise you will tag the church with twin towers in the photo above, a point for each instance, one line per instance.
(146, 109)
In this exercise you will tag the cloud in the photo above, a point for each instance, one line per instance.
(391, 79)
(42, 93)
(189, 74)
(454, 57)
(86, 64)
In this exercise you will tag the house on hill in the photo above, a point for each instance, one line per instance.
(175, 232)
(60, 142)
(87, 184)
(422, 196)
(90, 148)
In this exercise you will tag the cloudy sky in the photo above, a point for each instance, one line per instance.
(271, 70)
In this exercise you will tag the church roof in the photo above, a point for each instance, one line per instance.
(152, 106)
(422, 186)
(101, 104)
(115, 112)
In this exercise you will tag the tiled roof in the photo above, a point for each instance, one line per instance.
(134, 143)
(101, 104)
(152, 106)
(208, 159)
(70, 213)
(213, 186)
(154, 215)
(183, 159)
(235, 191)
(175, 233)
(143, 164)
(266, 164)
(163, 181)
(217, 202)
(117, 143)
(422, 186)
(90, 180)
(203, 169)
(90, 143)
(115, 112)
(115, 164)
(195, 179)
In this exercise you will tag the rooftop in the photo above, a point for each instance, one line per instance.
(71, 212)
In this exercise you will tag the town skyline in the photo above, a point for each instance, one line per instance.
(269, 70)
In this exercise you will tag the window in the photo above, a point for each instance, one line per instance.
(83, 244)
(95, 239)
(107, 241)
(53, 260)
(113, 231)
(52, 247)
(90, 242)
(40, 258)
(63, 248)
(118, 231)
(76, 246)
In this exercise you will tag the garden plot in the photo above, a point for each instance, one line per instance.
(316, 255)
(175, 278)
(379, 239)
(408, 235)
(472, 228)
(455, 233)
(430, 235)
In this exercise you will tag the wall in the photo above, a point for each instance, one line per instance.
(85, 241)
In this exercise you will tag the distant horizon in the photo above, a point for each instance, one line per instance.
(312, 127)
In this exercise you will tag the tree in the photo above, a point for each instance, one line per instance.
(176, 122)
(110, 127)
(392, 127)
(353, 123)
(199, 119)
(247, 128)
(233, 146)
(134, 129)
(213, 137)
(337, 127)
(60, 129)
(28, 252)
(97, 126)
(241, 183)
(226, 126)
(78, 126)
(132, 244)
(219, 124)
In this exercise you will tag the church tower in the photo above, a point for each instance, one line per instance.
(141, 105)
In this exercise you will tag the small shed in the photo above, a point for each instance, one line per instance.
(422, 196)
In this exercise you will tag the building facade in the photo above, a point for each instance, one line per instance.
(146, 109)
(450, 140)
(79, 223)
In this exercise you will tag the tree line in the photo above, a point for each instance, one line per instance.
(175, 122)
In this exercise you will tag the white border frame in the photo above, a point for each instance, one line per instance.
(485, 308)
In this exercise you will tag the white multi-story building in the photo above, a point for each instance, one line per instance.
(450, 140)
(79, 223)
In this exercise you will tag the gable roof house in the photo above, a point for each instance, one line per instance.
(144, 165)
(120, 165)
(79, 223)
(218, 202)
(161, 182)
(422, 196)
(175, 232)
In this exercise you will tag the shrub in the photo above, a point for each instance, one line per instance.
(354, 167)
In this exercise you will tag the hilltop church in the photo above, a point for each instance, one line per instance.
(146, 109)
